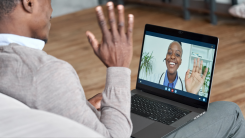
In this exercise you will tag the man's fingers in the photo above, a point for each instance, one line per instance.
(200, 69)
(205, 74)
(93, 42)
(112, 18)
(121, 20)
(130, 28)
(102, 23)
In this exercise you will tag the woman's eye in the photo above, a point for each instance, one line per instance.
(177, 55)
(169, 53)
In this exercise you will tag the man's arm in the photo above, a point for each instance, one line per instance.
(59, 91)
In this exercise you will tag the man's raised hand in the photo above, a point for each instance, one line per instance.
(116, 48)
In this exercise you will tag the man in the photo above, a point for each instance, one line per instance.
(43, 82)
(46, 83)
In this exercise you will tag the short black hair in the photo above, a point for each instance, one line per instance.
(7, 6)
(179, 43)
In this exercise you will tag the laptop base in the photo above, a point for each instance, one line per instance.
(144, 127)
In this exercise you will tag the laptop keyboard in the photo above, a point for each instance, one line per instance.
(155, 110)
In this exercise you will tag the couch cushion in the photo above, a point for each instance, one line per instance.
(33, 123)
(8, 102)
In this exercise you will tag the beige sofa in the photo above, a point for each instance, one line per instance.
(18, 120)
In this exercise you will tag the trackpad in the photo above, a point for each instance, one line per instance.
(140, 122)
(155, 130)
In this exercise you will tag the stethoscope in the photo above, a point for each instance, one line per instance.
(178, 76)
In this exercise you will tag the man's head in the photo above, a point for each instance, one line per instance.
(30, 18)
(174, 57)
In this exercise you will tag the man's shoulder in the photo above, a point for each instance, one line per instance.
(33, 58)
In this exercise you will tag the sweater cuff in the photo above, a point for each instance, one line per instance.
(118, 77)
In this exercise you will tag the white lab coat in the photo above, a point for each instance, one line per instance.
(156, 78)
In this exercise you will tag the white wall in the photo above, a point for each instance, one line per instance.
(62, 7)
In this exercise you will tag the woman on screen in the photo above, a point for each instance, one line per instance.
(171, 79)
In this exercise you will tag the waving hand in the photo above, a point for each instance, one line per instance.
(116, 48)
(195, 81)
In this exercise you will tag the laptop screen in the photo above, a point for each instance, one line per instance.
(177, 65)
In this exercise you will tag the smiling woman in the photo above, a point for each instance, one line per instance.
(169, 61)
(173, 61)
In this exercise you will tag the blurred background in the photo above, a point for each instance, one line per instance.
(221, 18)
(62, 7)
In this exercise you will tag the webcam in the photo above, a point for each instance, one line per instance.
(180, 32)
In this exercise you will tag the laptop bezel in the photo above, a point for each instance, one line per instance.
(186, 35)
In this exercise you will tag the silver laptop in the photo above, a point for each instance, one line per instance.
(165, 98)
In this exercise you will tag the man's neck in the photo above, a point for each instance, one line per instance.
(7, 26)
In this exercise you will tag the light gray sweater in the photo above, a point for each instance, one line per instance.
(46, 83)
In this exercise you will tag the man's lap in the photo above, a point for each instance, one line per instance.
(223, 119)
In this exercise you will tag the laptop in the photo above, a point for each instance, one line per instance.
(161, 103)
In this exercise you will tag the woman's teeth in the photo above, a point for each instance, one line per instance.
(172, 63)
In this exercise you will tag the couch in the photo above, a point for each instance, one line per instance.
(18, 120)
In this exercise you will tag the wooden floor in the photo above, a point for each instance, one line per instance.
(68, 42)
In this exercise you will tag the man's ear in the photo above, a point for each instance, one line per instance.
(28, 5)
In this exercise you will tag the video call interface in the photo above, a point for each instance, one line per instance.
(177, 65)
